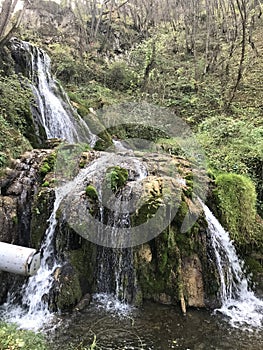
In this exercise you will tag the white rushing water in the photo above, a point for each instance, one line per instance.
(53, 109)
(34, 313)
(239, 303)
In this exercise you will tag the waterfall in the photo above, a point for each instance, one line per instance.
(115, 273)
(34, 313)
(116, 277)
(239, 304)
(53, 110)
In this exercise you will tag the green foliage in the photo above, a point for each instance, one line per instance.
(94, 94)
(48, 164)
(234, 145)
(236, 197)
(71, 68)
(15, 99)
(91, 192)
(171, 146)
(119, 76)
(116, 177)
(12, 142)
(13, 339)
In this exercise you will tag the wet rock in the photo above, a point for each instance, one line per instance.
(193, 281)
(84, 303)
(66, 291)
(18, 187)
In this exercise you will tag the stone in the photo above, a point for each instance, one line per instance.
(193, 281)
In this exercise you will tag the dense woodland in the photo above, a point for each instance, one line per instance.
(202, 59)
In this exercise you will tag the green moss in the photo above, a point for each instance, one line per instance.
(116, 177)
(45, 184)
(70, 293)
(83, 261)
(91, 192)
(41, 210)
(15, 220)
(181, 214)
(146, 211)
(188, 191)
(48, 164)
(236, 197)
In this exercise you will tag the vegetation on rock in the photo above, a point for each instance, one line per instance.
(116, 177)
(91, 192)
(204, 64)
(236, 198)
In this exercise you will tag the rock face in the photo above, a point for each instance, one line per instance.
(53, 23)
(171, 267)
(18, 187)
(193, 281)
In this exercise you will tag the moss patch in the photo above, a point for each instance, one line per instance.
(48, 164)
(236, 197)
(91, 192)
(116, 177)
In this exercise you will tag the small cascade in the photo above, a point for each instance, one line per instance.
(239, 303)
(53, 110)
(34, 313)
(116, 277)
(115, 272)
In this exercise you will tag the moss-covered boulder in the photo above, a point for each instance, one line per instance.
(66, 291)
(235, 205)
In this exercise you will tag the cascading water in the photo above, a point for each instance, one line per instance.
(115, 272)
(115, 275)
(53, 109)
(239, 303)
(116, 278)
(34, 312)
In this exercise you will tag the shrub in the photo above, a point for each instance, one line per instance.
(13, 339)
(119, 76)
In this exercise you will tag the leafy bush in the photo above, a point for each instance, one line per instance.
(12, 142)
(15, 98)
(13, 339)
(120, 77)
(234, 145)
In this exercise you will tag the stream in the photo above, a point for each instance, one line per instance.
(153, 327)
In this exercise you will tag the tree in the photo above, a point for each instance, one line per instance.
(9, 19)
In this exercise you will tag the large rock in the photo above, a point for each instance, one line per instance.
(172, 267)
(193, 281)
(18, 187)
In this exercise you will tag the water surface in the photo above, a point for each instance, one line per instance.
(153, 327)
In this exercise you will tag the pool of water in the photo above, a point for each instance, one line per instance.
(153, 327)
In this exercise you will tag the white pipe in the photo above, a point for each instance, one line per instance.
(20, 260)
